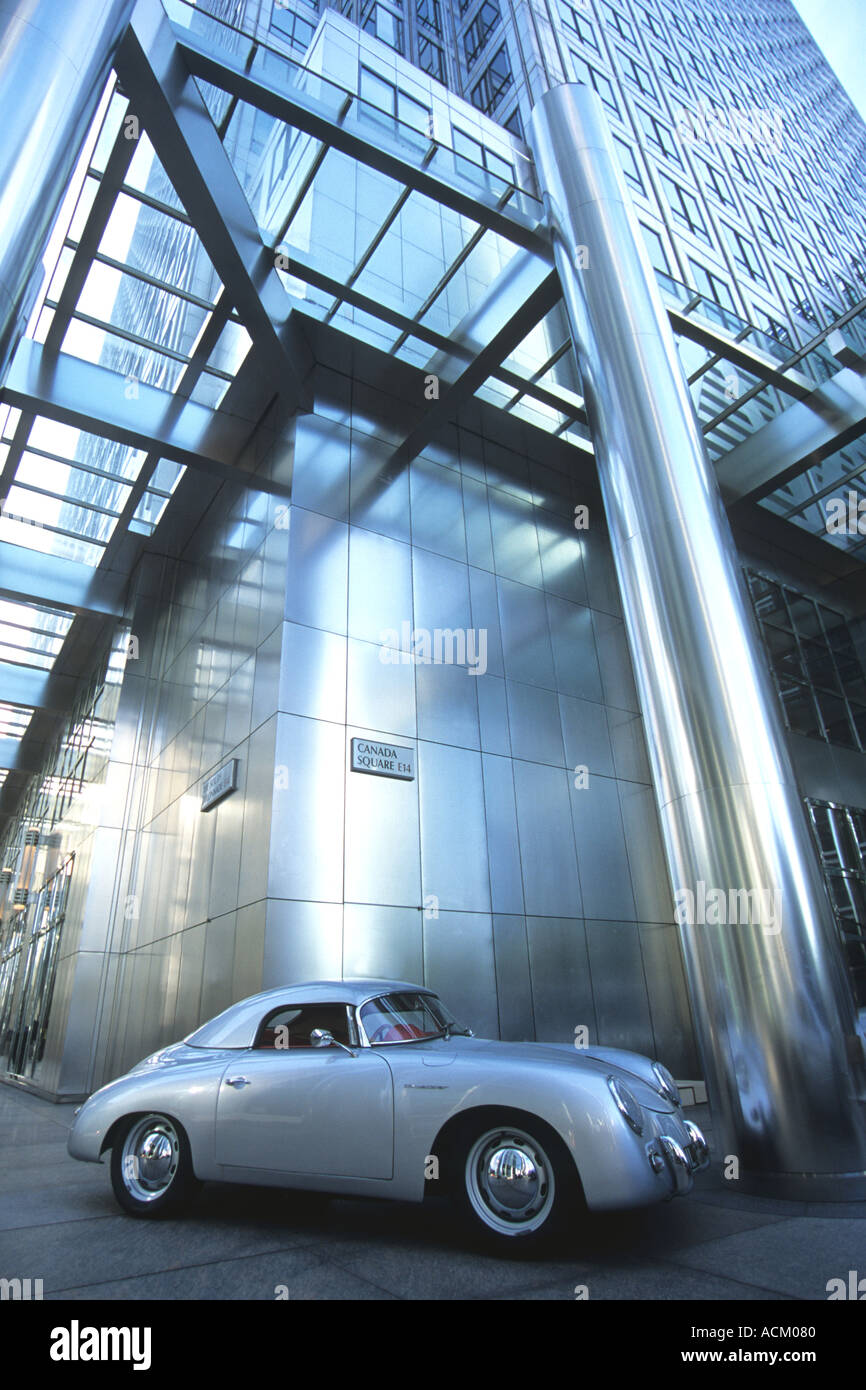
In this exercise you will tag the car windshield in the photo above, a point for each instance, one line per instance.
(406, 1017)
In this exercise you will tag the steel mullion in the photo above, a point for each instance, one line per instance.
(70, 501)
(367, 255)
(95, 226)
(459, 260)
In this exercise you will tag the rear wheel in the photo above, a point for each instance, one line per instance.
(151, 1167)
(518, 1186)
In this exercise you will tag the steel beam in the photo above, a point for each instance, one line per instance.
(489, 340)
(313, 117)
(34, 577)
(807, 432)
(165, 96)
(96, 399)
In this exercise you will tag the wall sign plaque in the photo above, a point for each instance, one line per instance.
(220, 783)
(383, 759)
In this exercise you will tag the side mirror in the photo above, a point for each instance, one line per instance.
(323, 1037)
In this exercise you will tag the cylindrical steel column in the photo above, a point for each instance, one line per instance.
(771, 1000)
(54, 62)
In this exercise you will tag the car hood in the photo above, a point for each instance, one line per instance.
(630, 1067)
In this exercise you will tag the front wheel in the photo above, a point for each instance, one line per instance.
(519, 1188)
(151, 1167)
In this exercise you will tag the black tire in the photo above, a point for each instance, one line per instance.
(515, 1185)
(151, 1167)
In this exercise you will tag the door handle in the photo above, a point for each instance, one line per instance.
(238, 1082)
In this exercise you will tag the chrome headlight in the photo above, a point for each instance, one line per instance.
(627, 1103)
(668, 1087)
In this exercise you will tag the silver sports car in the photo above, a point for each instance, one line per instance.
(372, 1087)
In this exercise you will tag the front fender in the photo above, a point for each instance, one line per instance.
(190, 1099)
(611, 1159)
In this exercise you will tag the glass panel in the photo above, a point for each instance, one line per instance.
(14, 720)
(129, 304)
(148, 176)
(146, 239)
(37, 537)
(340, 215)
(410, 260)
(834, 713)
(468, 285)
(137, 363)
(64, 481)
(54, 511)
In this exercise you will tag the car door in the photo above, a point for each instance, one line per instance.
(288, 1107)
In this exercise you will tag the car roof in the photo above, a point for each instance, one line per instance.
(237, 1025)
(353, 990)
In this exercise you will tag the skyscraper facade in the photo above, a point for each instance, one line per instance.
(298, 462)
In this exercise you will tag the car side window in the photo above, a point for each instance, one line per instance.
(289, 1027)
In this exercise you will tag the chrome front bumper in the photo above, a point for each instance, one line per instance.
(681, 1160)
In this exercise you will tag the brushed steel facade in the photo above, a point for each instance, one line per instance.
(490, 876)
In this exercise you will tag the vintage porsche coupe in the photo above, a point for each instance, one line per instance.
(372, 1087)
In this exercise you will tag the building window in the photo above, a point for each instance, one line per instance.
(684, 208)
(389, 99)
(514, 124)
(495, 81)
(659, 135)
(648, 20)
(618, 22)
(764, 223)
(840, 834)
(597, 80)
(292, 27)
(711, 285)
(629, 164)
(655, 248)
(744, 253)
(814, 662)
(479, 157)
(813, 265)
(385, 26)
(799, 301)
(713, 181)
(574, 20)
(479, 31)
(429, 13)
(776, 330)
(697, 65)
(431, 59)
(672, 69)
(741, 165)
(637, 74)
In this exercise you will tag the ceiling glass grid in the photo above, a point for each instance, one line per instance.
(340, 225)
(363, 251)
(32, 634)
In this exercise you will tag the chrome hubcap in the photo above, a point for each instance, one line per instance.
(150, 1158)
(512, 1179)
(509, 1181)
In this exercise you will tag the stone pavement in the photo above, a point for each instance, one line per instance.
(59, 1223)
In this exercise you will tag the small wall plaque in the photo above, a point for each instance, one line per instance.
(383, 759)
(220, 783)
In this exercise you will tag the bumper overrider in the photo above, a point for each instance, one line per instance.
(681, 1159)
